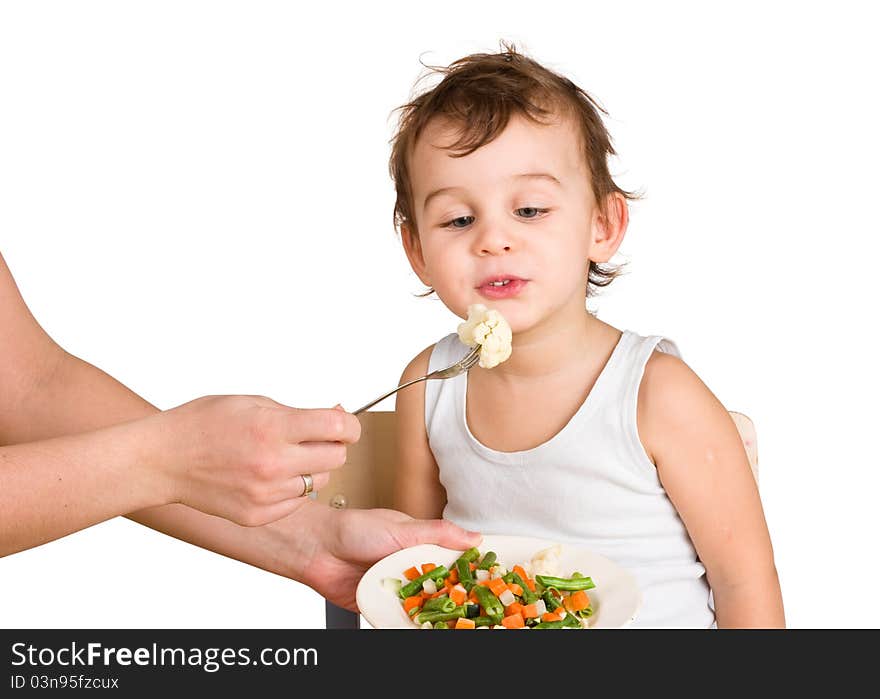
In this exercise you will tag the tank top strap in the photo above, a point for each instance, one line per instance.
(445, 353)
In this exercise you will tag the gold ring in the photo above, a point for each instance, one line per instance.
(308, 484)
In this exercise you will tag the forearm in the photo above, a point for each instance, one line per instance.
(752, 603)
(52, 461)
(47, 488)
(62, 411)
(57, 407)
(270, 547)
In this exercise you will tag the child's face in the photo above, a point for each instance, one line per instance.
(513, 225)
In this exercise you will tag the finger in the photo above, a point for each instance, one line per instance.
(295, 487)
(319, 480)
(322, 425)
(313, 457)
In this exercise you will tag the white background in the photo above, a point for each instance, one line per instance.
(194, 196)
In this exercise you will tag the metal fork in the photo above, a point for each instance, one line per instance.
(461, 366)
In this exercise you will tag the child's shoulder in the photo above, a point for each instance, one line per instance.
(670, 387)
(674, 404)
(418, 365)
(446, 351)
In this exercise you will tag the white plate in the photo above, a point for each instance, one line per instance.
(616, 597)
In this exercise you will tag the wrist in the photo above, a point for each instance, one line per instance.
(293, 542)
(150, 443)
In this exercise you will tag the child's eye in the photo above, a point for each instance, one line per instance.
(530, 212)
(459, 222)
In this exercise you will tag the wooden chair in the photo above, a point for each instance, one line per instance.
(368, 475)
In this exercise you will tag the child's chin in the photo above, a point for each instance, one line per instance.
(523, 323)
(519, 325)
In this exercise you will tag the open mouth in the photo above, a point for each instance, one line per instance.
(501, 287)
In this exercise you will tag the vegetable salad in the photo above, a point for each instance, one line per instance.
(476, 592)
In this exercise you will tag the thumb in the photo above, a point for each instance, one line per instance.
(441, 532)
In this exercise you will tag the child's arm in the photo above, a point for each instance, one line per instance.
(703, 466)
(417, 487)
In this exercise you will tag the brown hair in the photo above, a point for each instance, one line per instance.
(481, 92)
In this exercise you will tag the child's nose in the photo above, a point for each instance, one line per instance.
(492, 240)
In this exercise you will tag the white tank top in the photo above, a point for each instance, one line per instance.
(591, 485)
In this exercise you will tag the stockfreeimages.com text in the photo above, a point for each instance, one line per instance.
(209, 659)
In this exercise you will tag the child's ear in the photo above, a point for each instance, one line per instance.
(413, 248)
(608, 228)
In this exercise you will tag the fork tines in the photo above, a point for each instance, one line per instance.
(471, 358)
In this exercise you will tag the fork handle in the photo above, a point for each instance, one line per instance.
(390, 393)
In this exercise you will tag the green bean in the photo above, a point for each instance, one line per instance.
(414, 586)
(486, 621)
(550, 599)
(571, 621)
(438, 604)
(489, 601)
(573, 583)
(585, 613)
(465, 575)
(527, 594)
(488, 561)
(441, 625)
(462, 565)
(433, 617)
(470, 555)
(550, 625)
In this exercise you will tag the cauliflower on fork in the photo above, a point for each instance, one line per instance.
(488, 329)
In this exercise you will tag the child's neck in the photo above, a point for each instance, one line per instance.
(555, 346)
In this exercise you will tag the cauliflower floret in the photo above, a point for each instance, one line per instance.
(546, 562)
(487, 328)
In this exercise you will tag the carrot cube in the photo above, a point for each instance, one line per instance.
(530, 611)
(462, 623)
(412, 602)
(578, 600)
(458, 595)
(514, 621)
(497, 585)
(411, 573)
(427, 567)
(515, 608)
